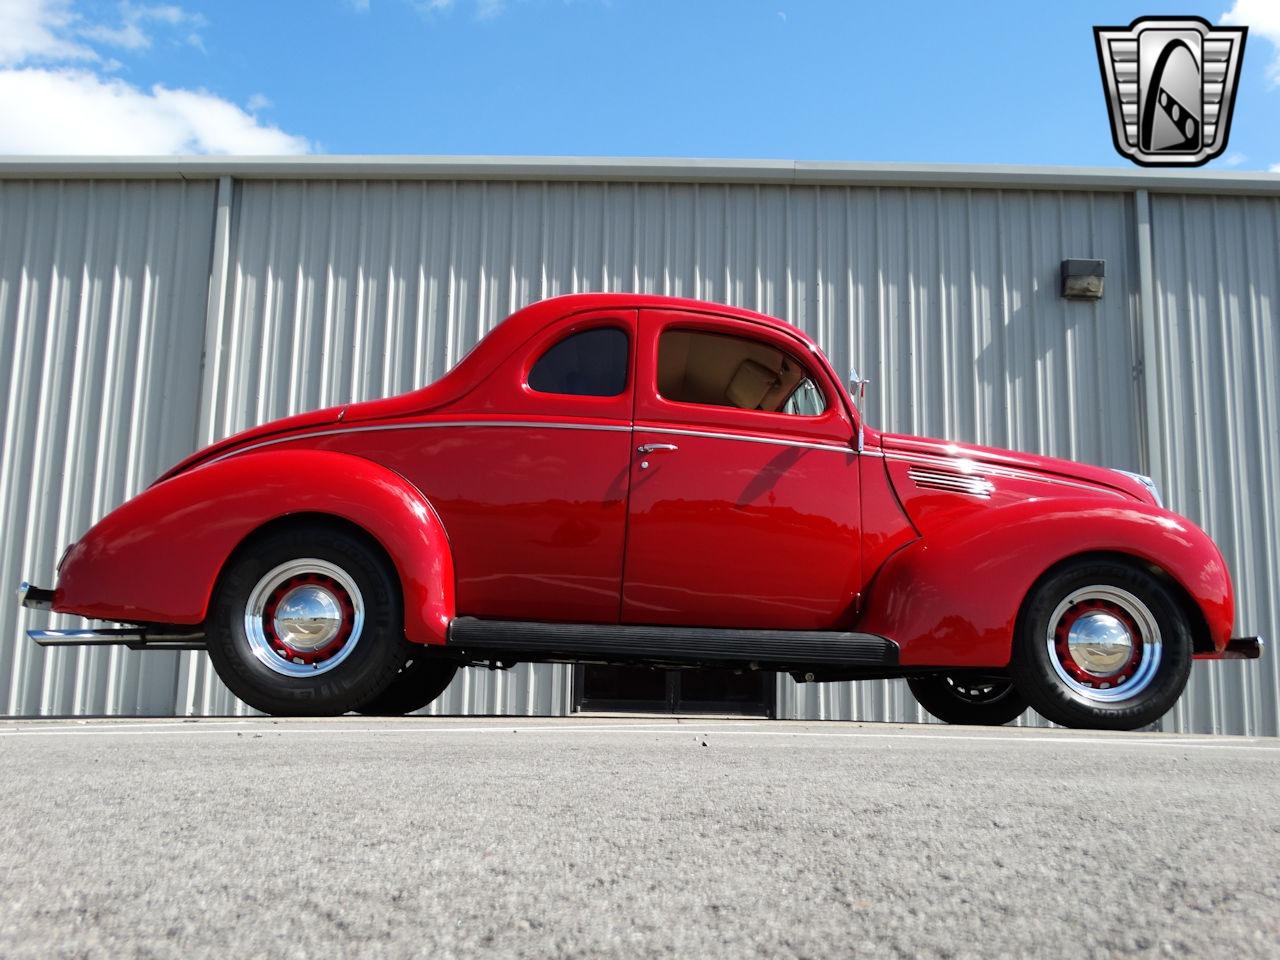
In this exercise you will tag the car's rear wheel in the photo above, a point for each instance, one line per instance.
(968, 698)
(418, 684)
(307, 621)
(1102, 644)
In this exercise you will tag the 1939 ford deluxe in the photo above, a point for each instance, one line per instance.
(637, 479)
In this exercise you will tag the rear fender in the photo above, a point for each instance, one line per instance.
(952, 598)
(157, 558)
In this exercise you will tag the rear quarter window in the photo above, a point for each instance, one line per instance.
(592, 363)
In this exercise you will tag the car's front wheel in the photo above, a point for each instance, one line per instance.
(1101, 644)
(307, 621)
(968, 698)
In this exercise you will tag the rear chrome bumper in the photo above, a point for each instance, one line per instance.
(34, 598)
(1237, 648)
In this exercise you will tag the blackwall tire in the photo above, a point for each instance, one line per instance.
(307, 622)
(1102, 645)
(418, 684)
(968, 700)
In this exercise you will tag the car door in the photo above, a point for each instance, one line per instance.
(744, 504)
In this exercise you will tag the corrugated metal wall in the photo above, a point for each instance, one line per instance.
(102, 300)
(343, 290)
(1217, 272)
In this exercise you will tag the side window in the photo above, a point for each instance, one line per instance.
(592, 363)
(728, 371)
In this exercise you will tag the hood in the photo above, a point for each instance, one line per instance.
(1104, 477)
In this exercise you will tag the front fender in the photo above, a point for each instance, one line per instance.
(952, 598)
(156, 558)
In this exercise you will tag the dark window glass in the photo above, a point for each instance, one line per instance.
(588, 364)
(726, 371)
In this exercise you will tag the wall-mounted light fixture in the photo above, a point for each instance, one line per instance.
(1082, 279)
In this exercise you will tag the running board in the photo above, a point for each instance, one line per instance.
(682, 645)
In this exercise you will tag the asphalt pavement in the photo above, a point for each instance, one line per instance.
(593, 837)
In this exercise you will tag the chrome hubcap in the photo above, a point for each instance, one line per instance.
(1104, 644)
(307, 617)
(304, 617)
(1099, 643)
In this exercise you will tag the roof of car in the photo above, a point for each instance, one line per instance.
(493, 348)
(535, 315)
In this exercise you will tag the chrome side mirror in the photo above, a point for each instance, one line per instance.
(857, 386)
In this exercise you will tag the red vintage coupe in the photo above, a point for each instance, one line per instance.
(619, 478)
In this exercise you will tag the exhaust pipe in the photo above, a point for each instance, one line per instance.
(133, 638)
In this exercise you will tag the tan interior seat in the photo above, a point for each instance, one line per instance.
(750, 384)
(725, 370)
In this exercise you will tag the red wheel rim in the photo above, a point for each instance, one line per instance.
(304, 617)
(1099, 681)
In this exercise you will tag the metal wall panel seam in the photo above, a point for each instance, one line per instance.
(190, 662)
(1147, 360)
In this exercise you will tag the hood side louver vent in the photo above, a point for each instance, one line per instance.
(952, 482)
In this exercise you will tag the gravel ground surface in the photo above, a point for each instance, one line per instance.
(623, 838)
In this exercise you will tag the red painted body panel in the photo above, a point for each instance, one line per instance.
(730, 533)
(495, 500)
(1007, 461)
(953, 596)
(953, 599)
(886, 528)
(536, 518)
(156, 558)
(733, 532)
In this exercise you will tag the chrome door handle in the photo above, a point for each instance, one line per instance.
(647, 448)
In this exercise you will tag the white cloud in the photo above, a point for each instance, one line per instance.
(58, 95)
(1275, 168)
(38, 30)
(484, 9)
(78, 112)
(134, 29)
(1234, 160)
(1262, 17)
(128, 35)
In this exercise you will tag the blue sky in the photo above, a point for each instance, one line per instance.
(927, 82)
